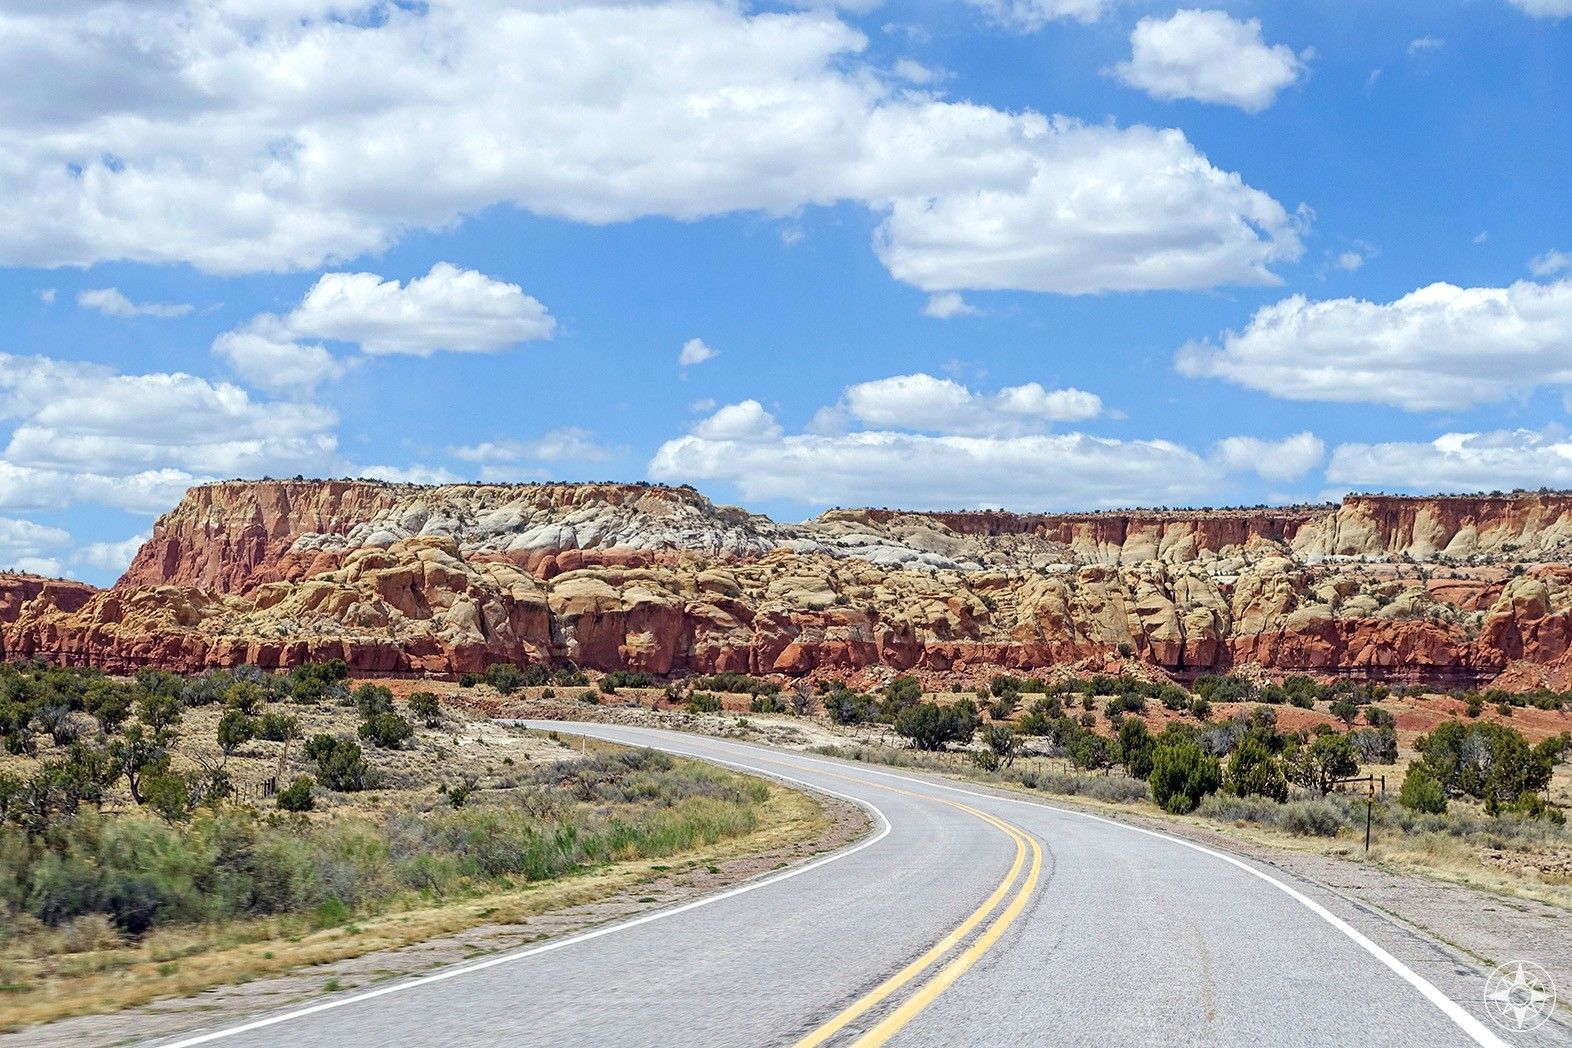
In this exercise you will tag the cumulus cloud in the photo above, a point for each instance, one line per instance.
(85, 433)
(567, 444)
(1517, 458)
(112, 302)
(28, 546)
(1099, 209)
(255, 137)
(1440, 347)
(113, 557)
(447, 310)
(1210, 57)
(695, 351)
(742, 444)
(949, 304)
(1286, 459)
(941, 405)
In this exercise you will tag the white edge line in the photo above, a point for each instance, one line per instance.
(595, 933)
(1470, 1025)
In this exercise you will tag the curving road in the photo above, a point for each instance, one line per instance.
(964, 918)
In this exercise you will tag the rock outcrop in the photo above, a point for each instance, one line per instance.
(406, 578)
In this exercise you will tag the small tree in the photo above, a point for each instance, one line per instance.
(425, 707)
(1422, 791)
(388, 731)
(235, 729)
(1004, 743)
(340, 765)
(1254, 771)
(1135, 748)
(297, 795)
(1182, 775)
(933, 727)
(1345, 711)
(505, 677)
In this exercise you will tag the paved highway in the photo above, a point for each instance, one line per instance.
(963, 918)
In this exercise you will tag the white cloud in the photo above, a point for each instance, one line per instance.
(941, 405)
(1424, 45)
(112, 302)
(47, 296)
(1028, 16)
(695, 351)
(1348, 261)
(744, 423)
(84, 433)
(947, 304)
(1210, 57)
(569, 443)
(27, 546)
(1550, 263)
(742, 444)
(1286, 459)
(1436, 348)
(268, 357)
(1544, 8)
(914, 72)
(412, 474)
(449, 309)
(110, 556)
(1458, 462)
(246, 137)
(1099, 209)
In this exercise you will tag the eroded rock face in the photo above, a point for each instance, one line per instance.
(406, 578)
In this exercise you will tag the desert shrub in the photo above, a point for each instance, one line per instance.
(387, 731)
(1422, 791)
(767, 703)
(1490, 762)
(1003, 743)
(1182, 775)
(470, 680)
(1136, 746)
(297, 795)
(844, 706)
(505, 677)
(372, 700)
(1254, 771)
(277, 727)
(1315, 817)
(235, 729)
(624, 679)
(704, 702)
(929, 726)
(425, 707)
(736, 683)
(340, 765)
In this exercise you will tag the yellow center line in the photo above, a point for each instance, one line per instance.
(937, 985)
(878, 994)
(930, 990)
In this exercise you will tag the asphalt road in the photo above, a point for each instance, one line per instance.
(964, 918)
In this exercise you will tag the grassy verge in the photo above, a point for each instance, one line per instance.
(1463, 847)
(585, 830)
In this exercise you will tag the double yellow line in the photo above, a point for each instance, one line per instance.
(929, 991)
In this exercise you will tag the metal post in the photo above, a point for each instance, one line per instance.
(1369, 811)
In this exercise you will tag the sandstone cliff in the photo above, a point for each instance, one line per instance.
(405, 578)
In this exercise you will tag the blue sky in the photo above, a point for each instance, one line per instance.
(1042, 254)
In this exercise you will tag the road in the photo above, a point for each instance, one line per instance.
(963, 918)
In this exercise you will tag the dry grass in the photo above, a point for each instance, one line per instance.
(185, 961)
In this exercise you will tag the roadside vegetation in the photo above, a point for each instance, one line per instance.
(166, 817)
(1290, 761)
